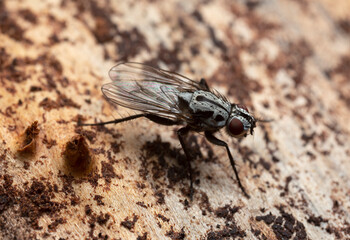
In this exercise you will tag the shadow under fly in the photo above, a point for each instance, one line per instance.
(171, 99)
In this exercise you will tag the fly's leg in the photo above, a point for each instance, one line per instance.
(160, 120)
(211, 138)
(204, 84)
(181, 133)
(114, 121)
(154, 118)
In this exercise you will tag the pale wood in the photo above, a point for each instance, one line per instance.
(286, 60)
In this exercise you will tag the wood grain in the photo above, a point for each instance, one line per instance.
(285, 60)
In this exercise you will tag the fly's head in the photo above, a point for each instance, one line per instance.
(240, 122)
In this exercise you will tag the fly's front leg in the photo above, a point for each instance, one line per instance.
(211, 138)
(181, 133)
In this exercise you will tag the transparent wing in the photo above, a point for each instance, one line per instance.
(147, 89)
(131, 70)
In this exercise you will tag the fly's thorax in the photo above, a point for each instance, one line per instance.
(211, 111)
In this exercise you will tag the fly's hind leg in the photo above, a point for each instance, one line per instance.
(154, 118)
(160, 120)
(113, 121)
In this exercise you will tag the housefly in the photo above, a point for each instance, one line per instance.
(171, 99)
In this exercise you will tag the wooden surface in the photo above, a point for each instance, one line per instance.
(286, 60)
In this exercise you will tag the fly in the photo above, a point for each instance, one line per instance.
(171, 99)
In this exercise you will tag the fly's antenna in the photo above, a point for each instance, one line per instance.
(262, 120)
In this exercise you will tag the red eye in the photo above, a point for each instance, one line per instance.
(242, 106)
(236, 127)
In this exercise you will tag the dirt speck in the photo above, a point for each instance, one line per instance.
(165, 219)
(98, 199)
(176, 235)
(226, 212)
(9, 26)
(143, 237)
(108, 173)
(90, 135)
(53, 226)
(28, 15)
(292, 59)
(160, 197)
(104, 30)
(344, 24)
(316, 221)
(230, 231)
(129, 224)
(142, 204)
(130, 43)
(284, 226)
(61, 101)
(49, 142)
(30, 202)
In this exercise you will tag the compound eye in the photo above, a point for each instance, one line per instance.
(236, 127)
(242, 106)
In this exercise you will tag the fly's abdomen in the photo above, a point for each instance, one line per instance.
(212, 111)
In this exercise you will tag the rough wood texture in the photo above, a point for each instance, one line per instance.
(286, 60)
